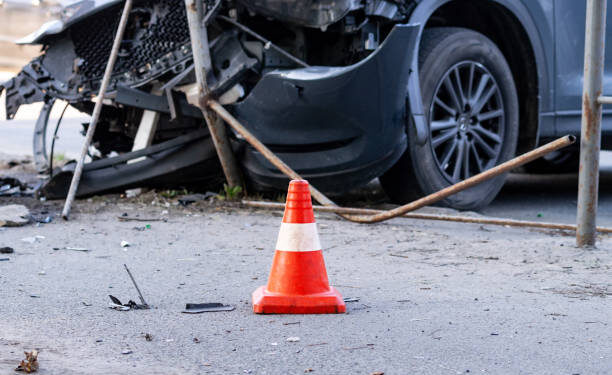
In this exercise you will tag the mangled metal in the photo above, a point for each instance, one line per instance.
(261, 53)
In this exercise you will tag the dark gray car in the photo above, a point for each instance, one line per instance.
(420, 93)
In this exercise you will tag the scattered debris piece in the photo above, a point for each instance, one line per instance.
(291, 323)
(127, 351)
(42, 273)
(42, 219)
(192, 198)
(131, 305)
(377, 373)
(148, 337)
(14, 215)
(133, 193)
(400, 256)
(481, 257)
(317, 344)
(32, 240)
(12, 187)
(30, 364)
(144, 303)
(196, 340)
(6, 250)
(308, 370)
(197, 308)
(366, 346)
(81, 249)
(4, 259)
(125, 244)
(126, 218)
(351, 299)
(86, 303)
(293, 339)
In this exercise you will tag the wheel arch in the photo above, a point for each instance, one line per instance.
(510, 26)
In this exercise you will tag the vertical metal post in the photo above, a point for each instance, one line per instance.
(590, 141)
(110, 65)
(203, 65)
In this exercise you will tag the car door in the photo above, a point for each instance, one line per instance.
(569, 26)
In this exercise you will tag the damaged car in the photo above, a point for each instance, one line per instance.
(421, 94)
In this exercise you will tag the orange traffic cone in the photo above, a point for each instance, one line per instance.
(298, 281)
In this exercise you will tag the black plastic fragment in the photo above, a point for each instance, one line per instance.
(198, 308)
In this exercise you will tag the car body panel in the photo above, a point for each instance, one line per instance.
(333, 121)
(570, 19)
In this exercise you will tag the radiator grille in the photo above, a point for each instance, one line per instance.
(155, 28)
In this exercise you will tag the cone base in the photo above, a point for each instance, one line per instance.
(330, 302)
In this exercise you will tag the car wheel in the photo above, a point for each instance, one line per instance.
(471, 109)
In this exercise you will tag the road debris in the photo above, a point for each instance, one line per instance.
(4, 259)
(293, 339)
(125, 244)
(42, 220)
(198, 308)
(6, 250)
(193, 198)
(133, 193)
(14, 215)
(127, 218)
(148, 337)
(127, 351)
(142, 300)
(81, 249)
(130, 305)
(366, 346)
(30, 364)
(351, 299)
(12, 187)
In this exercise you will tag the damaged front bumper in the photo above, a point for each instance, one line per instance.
(337, 126)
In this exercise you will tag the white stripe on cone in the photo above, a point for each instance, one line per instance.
(298, 237)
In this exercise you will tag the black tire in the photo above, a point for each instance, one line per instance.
(561, 161)
(425, 169)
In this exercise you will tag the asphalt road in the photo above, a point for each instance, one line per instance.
(433, 298)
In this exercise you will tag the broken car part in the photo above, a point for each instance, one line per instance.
(116, 304)
(189, 158)
(198, 308)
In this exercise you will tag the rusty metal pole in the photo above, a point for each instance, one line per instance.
(108, 72)
(203, 65)
(590, 141)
